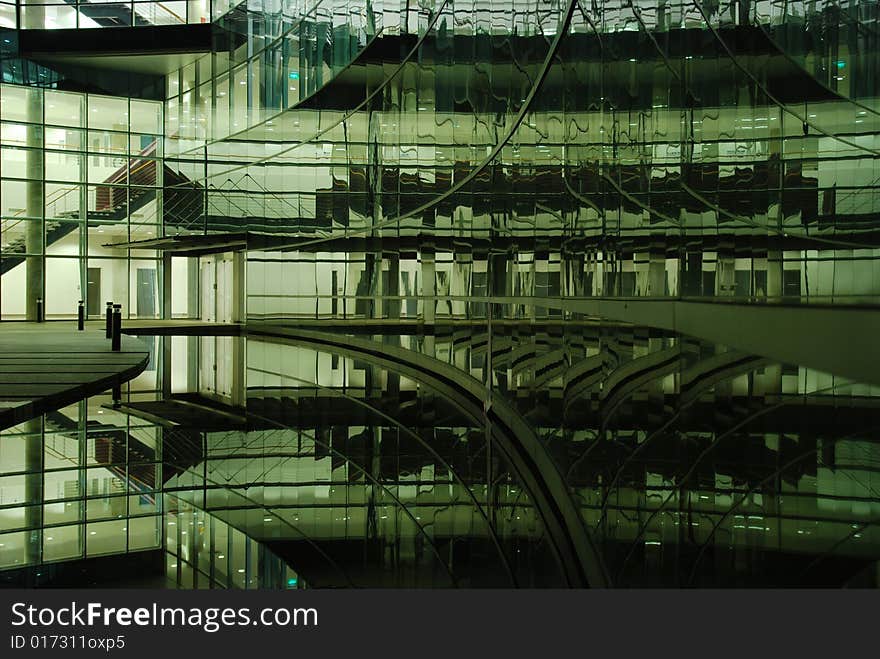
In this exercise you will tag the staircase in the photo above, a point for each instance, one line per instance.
(116, 450)
(183, 204)
(112, 205)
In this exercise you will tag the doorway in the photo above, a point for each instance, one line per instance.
(146, 292)
(217, 293)
(217, 305)
(93, 292)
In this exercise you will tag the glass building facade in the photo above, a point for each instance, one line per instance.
(79, 172)
(457, 293)
(81, 482)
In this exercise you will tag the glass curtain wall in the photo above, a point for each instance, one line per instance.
(602, 151)
(490, 162)
(203, 551)
(277, 54)
(80, 482)
(690, 463)
(80, 172)
(55, 14)
(485, 163)
(8, 14)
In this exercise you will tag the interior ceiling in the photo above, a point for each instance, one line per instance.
(159, 64)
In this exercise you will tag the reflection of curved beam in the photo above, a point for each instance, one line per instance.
(782, 106)
(258, 505)
(745, 496)
(835, 339)
(631, 376)
(698, 461)
(719, 368)
(797, 65)
(841, 340)
(427, 446)
(776, 229)
(712, 370)
(624, 381)
(464, 182)
(583, 376)
(580, 562)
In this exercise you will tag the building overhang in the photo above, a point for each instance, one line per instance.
(155, 50)
(195, 245)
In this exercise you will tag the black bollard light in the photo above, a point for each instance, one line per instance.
(116, 344)
(39, 310)
(80, 316)
(109, 320)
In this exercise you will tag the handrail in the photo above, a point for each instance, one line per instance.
(63, 192)
(159, 4)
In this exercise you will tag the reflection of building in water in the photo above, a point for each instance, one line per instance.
(512, 294)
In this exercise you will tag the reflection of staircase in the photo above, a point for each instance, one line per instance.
(115, 450)
(239, 205)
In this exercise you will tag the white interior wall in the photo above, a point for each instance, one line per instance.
(63, 289)
(180, 286)
(180, 365)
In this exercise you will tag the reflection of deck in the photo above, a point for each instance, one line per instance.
(46, 366)
(179, 327)
(189, 411)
